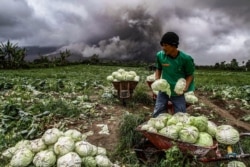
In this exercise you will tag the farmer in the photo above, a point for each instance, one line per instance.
(171, 65)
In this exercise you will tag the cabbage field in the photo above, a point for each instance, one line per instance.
(79, 98)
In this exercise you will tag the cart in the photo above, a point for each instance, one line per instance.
(153, 146)
(125, 89)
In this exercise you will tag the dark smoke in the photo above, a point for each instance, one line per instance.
(133, 35)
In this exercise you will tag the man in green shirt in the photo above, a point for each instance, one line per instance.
(171, 65)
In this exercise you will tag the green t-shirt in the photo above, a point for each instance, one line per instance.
(175, 68)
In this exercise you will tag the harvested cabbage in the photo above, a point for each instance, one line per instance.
(171, 131)
(22, 157)
(64, 145)
(71, 159)
(51, 136)
(161, 85)
(37, 145)
(178, 117)
(45, 158)
(101, 151)
(226, 134)
(89, 161)
(180, 86)
(200, 122)
(8, 153)
(74, 134)
(103, 161)
(189, 134)
(190, 97)
(204, 140)
(211, 128)
(84, 148)
(236, 164)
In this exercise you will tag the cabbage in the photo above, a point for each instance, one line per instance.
(45, 158)
(37, 145)
(204, 140)
(226, 134)
(70, 159)
(180, 86)
(200, 122)
(156, 123)
(151, 78)
(161, 85)
(22, 144)
(110, 78)
(189, 134)
(190, 97)
(89, 161)
(64, 145)
(101, 151)
(178, 117)
(164, 117)
(171, 131)
(145, 127)
(211, 128)
(103, 161)
(51, 136)
(74, 134)
(22, 157)
(84, 148)
(8, 153)
(236, 164)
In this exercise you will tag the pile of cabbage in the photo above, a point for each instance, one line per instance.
(123, 75)
(197, 130)
(57, 148)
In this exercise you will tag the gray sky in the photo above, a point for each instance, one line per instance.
(210, 30)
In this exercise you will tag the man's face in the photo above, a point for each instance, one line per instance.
(168, 49)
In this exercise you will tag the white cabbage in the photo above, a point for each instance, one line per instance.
(110, 78)
(151, 78)
(211, 128)
(70, 159)
(84, 148)
(103, 161)
(45, 158)
(22, 144)
(89, 161)
(200, 122)
(171, 131)
(37, 145)
(22, 157)
(101, 151)
(178, 117)
(204, 140)
(189, 134)
(180, 86)
(236, 164)
(74, 134)
(226, 134)
(190, 97)
(51, 136)
(64, 145)
(8, 153)
(161, 85)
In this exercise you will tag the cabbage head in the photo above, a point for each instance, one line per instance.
(161, 85)
(37, 145)
(226, 134)
(200, 122)
(204, 140)
(84, 148)
(178, 117)
(189, 134)
(70, 159)
(236, 164)
(89, 161)
(51, 136)
(103, 161)
(101, 151)
(171, 131)
(64, 145)
(180, 86)
(190, 97)
(8, 153)
(22, 157)
(74, 134)
(211, 128)
(45, 158)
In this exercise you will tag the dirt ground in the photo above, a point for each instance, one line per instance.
(216, 110)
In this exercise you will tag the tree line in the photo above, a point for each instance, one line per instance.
(13, 57)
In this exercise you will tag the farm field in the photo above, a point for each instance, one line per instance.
(80, 97)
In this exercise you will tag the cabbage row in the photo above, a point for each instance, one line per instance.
(197, 130)
(57, 148)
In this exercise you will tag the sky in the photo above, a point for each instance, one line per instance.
(211, 31)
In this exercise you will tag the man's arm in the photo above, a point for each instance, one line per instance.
(188, 81)
(157, 74)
